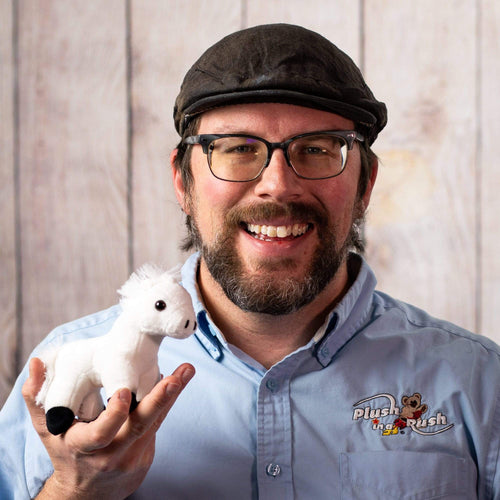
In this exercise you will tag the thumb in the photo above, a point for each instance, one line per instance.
(30, 390)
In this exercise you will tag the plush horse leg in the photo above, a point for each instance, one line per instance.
(91, 406)
(147, 380)
(123, 377)
(64, 398)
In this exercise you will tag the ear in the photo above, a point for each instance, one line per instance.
(371, 182)
(180, 191)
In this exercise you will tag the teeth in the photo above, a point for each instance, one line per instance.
(282, 232)
(272, 231)
(277, 231)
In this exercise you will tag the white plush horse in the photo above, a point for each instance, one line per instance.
(154, 305)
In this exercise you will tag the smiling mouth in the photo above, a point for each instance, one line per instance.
(270, 233)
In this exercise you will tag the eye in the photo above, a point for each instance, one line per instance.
(315, 150)
(241, 149)
(160, 305)
(237, 146)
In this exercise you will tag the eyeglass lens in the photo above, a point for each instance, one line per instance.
(243, 158)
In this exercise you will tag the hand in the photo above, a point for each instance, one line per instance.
(109, 457)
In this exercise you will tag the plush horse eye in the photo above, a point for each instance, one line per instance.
(160, 305)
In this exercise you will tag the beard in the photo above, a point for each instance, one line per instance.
(259, 291)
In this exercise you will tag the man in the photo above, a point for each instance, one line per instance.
(309, 384)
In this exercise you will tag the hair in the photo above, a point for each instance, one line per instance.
(183, 164)
(183, 158)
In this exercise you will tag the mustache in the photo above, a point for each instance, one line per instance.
(256, 212)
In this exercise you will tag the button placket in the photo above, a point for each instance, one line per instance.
(274, 436)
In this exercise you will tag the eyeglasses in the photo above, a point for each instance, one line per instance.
(243, 158)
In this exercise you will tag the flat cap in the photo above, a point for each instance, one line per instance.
(279, 63)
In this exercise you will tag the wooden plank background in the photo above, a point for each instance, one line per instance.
(86, 95)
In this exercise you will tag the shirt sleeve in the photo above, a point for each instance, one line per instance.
(24, 464)
(493, 464)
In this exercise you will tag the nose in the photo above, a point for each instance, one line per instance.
(188, 322)
(278, 180)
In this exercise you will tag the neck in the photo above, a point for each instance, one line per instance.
(264, 337)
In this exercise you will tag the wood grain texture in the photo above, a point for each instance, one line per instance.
(72, 160)
(489, 207)
(432, 226)
(421, 59)
(337, 20)
(8, 278)
(167, 37)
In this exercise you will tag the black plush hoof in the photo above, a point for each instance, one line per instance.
(59, 419)
(133, 403)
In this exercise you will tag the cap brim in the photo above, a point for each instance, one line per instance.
(358, 115)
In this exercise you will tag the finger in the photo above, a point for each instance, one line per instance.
(185, 373)
(169, 389)
(165, 393)
(30, 390)
(153, 409)
(35, 380)
(92, 436)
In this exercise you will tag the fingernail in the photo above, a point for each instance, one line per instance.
(187, 375)
(172, 389)
(123, 395)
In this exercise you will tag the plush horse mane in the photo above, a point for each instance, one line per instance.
(143, 279)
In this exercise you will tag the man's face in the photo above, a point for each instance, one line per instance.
(272, 244)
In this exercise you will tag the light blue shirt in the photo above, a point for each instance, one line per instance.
(387, 403)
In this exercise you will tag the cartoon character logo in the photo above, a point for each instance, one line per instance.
(412, 409)
(410, 415)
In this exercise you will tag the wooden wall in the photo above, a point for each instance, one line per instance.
(86, 95)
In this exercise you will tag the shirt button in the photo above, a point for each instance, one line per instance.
(273, 470)
(272, 385)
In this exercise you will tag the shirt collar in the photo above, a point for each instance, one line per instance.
(348, 316)
(207, 333)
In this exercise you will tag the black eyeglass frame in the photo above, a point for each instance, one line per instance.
(349, 136)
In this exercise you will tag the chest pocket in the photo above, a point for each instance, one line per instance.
(406, 475)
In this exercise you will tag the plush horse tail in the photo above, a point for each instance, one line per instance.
(48, 356)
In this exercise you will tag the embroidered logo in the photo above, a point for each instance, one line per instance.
(397, 420)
